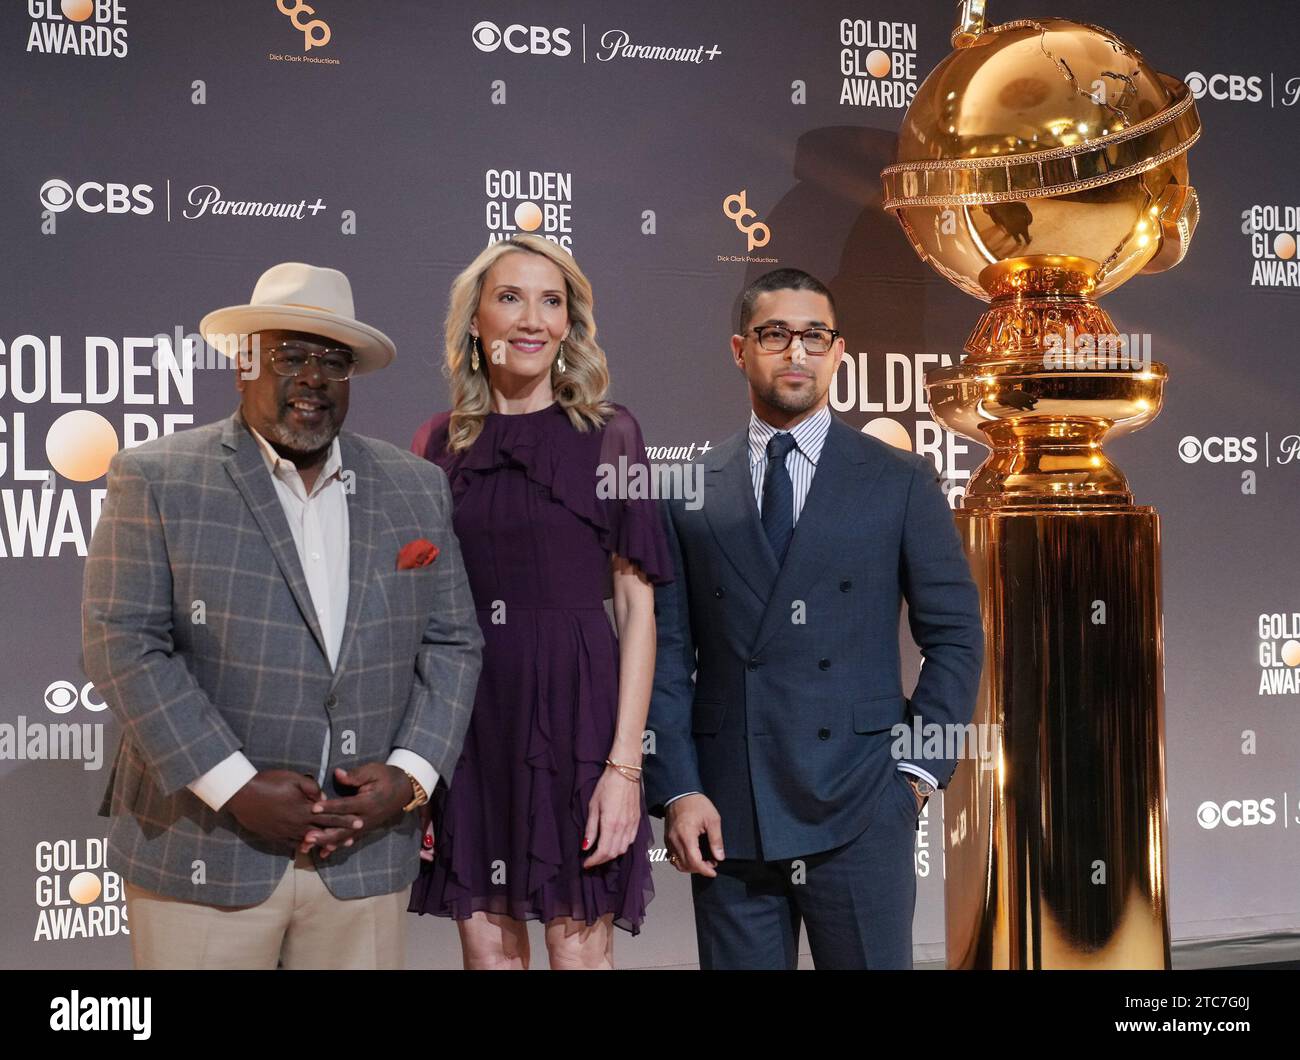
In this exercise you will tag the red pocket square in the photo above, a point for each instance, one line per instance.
(417, 553)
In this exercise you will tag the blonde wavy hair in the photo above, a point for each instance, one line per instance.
(580, 388)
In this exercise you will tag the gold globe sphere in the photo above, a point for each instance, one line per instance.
(1045, 141)
(1040, 165)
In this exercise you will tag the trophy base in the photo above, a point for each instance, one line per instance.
(1046, 382)
(1045, 428)
(1055, 834)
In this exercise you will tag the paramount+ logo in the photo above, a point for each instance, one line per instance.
(522, 40)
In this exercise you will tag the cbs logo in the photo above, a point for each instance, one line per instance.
(1225, 86)
(94, 197)
(1236, 813)
(537, 40)
(1217, 450)
(62, 697)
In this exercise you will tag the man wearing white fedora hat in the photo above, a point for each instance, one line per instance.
(276, 611)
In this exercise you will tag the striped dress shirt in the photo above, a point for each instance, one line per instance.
(800, 462)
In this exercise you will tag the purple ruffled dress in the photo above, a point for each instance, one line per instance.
(536, 539)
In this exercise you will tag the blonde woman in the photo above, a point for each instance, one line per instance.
(545, 818)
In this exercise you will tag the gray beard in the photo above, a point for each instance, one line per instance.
(302, 441)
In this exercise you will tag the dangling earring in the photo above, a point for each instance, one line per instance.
(473, 353)
(559, 361)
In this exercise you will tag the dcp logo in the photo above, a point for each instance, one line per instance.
(758, 233)
(1236, 813)
(1217, 450)
(1236, 87)
(93, 197)
(522, 40)
(315, 34)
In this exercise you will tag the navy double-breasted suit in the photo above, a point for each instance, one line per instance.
(776, 687)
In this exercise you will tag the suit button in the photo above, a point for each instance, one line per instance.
(825, 664)
(823, 734)
(753, 664)
(845, 585)
(331, 701)
(719, 592)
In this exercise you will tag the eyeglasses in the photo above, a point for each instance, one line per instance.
(776, 339)
(290, 359)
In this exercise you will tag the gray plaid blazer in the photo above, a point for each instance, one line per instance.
(199, 633)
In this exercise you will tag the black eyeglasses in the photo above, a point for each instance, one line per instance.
(291, 358)
(776, 339)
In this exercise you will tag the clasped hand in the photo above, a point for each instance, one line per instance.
(289, 807)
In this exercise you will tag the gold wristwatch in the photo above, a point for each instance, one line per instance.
(923, 788)
(421, 796)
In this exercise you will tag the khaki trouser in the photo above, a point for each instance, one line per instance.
(301, 925)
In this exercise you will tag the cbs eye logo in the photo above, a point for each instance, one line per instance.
(1236, 813)
(62, 697)
(96, 197)
(1217, 450)
(1237, 87)
(56, 195)
(522, 40)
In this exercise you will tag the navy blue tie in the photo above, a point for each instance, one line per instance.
(778, 495)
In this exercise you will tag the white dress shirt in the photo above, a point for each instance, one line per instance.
(319, 524)
(801, 464)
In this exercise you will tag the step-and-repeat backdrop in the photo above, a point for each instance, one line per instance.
(157, 156)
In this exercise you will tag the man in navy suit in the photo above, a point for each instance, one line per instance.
(777, 678)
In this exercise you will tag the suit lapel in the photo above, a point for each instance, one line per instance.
(732, 514)
(247, 467)
(836, 493)
(363, 482)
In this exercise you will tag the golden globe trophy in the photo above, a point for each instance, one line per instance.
(1041, 165)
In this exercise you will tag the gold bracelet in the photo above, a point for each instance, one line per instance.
(622, 770)
(419, 795)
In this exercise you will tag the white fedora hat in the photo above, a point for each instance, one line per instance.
(297, 297)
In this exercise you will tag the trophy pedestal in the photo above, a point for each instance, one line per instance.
(1055, 850)
(1032, 176)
